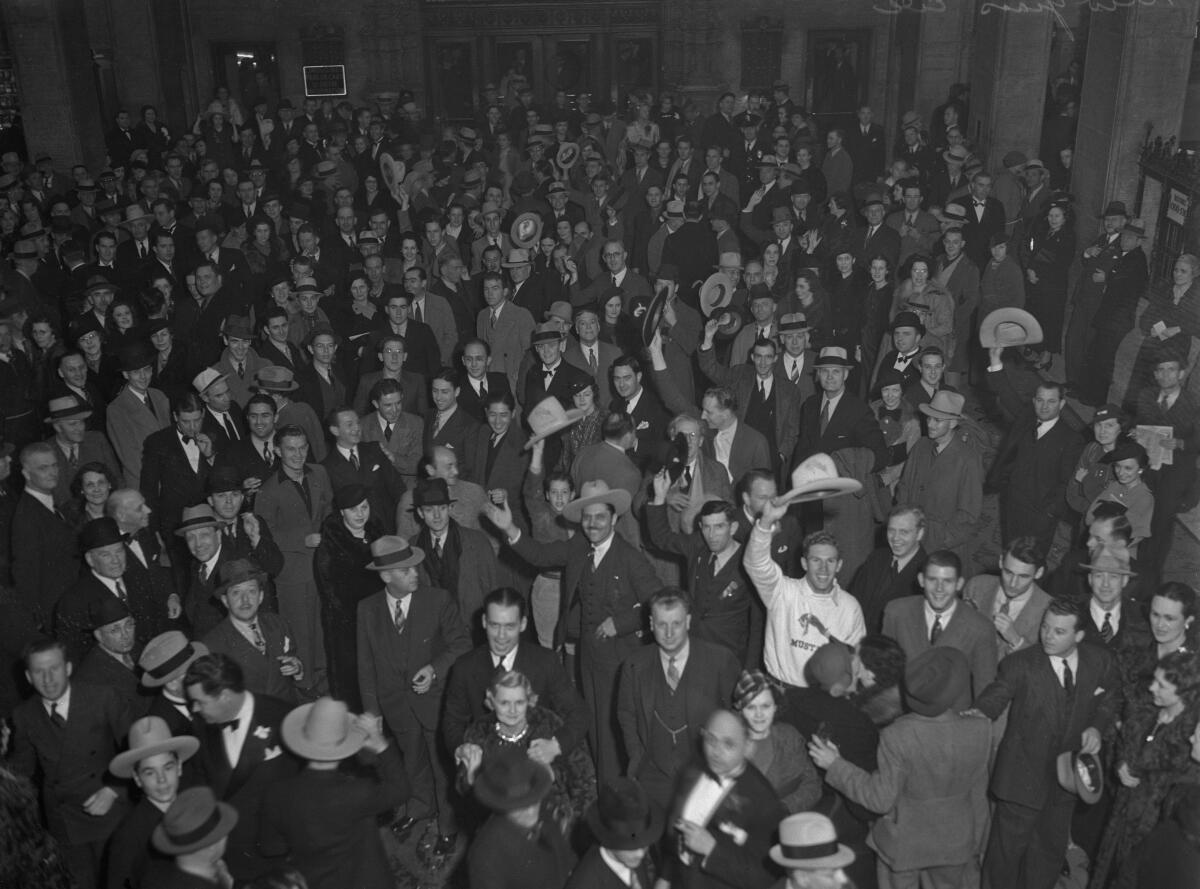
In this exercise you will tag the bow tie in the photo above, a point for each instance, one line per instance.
(232, 725)
(127, 538)
(980, 203)
(187, 439)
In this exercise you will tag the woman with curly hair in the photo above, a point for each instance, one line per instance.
(516, 721)
(919, 292)
(776, 748)
(89, 492)
(1153, 755)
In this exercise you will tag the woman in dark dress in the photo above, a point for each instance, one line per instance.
(1046, 258)
(342, 582)
(876, 300)
(47, 349)
(90, 488)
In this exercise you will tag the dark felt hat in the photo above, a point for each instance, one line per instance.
(349, 496)
(935, 679)
(431, 492)
(99, 532)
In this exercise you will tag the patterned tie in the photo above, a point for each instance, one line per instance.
(267, 455)
(121, 594)
(672, 673)
(437, 548)
(1107, 631)
(1068, 679)
(1004, 606)
(936, 631)
(795, 377)
(56, 717)
(417, 314)
(824, 416)
(241, 370)
(492, 323)
(259, 642)
(592, 366)
(399, 619)
(354, 459)
(387, 431)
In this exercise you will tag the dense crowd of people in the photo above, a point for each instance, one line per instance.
(596, 497)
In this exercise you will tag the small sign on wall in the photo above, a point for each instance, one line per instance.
(324, 80)
(1177, 207)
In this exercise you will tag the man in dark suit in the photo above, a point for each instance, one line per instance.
(650, 418)
(1061, 696)
(447, 422)
(110, 662)
(63, 739)
(44, 547)
(241, 751)
(199, 320)
(906, 330)
(625, 824)
(667, 691)
(354, 461)
(504, 621)
(275, 346)
(252, 458)
(391, 352)
(408, 637)
(175, 463)
(74, 445)
(891, 571)
(497, 458)
(479, 381)
(836, 419)
(223, 421)
(985, 217)
(605, 582)
(197, 576)
(243, 534)
(875, 238)
(551, 376)
(1034, 463)
(724, 815)
(939, 617)
(867, 147)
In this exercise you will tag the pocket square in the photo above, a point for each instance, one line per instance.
(1098, 691)
(735, 833)
(645, 424)
(271, 752)
(375, 468)
(262, 732)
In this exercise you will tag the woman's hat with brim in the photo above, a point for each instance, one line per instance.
(68, 407)
(390, 551)
(548, 417)
(526, 230)
(944, 406)
(150, 736)
(817, 479)
(167, 656)
(597, 492)
(275, 379)
(1010, 327)
(1081, 774)
(1126, 449)
(935, 680)
(568, 155)
(833, 356)
(195, 821)
(653, 316)
(323, 731)
(808, 841)
(623, 817)
(716, 293)
(511, 780)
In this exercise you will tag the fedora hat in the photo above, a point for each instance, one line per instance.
(275, 379)
(781, 214)
(198, 516)
(817, 479)
(99, 282)
(560, 311)
(150, 736)
(794, 322)
(623, 817)
(1014, 160)
(195, 820)
(135, 213)
(167, 656)
(808, 841)
(1114, 208)
(238, 327)
(549, 417)
(568, 155)
(1009, 327)
(944, 406)
(653, 316)
(136, 355)
(323, 731)
(547, 332)
(833, 356)
(99, 532)
(1135, 227)
(956, 154)
(954, 213)
(68, 407)
(517, 257)
(910, 119)
(935, 680)
(431, 492)
(729, 323)
(204, 380)
(511, 780)
(526, 229)
(391, 173)
(716, 293)
(1035, 164)
(597, 492)
(390, 551)
(1081, 774)
(1111, 559)
(106, 610)
(236, 571)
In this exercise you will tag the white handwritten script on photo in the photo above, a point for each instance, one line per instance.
(1053, 7)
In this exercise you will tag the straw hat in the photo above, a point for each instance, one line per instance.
(808, 841)
(167, 656)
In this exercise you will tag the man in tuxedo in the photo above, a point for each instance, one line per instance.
(550, 375)
(835, 418)
(409, 635)
(63, 739)
(480, 379)
(985, 217)
(906, 330)
(175, 462)
(1059, 696)
(891, 572)
(938, 617)
(504, 621)
(352, 460)
(1014, 601)
(44, 546)
(143, 548)
(241, 751)
(724, 815)
(665, 692)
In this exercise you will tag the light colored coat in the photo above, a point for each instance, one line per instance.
(129, 421)
(981, 592)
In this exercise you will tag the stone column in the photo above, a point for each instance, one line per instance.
(53, 59)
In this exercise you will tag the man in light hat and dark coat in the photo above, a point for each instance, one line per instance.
(808, 849)
(930, 785)
(834, 418)
(323, 820)
(195, 833)
(624, 823)
(163, 663)
(408, 636)
(74, 445)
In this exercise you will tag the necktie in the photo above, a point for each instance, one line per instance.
(150, 404)
(592, 557)
(72, 459)
(267, 453)
(202, 572)
(230, 429)
(417, 314)
(230, 531)
(121, 594)
(912, 218)
(592, 366)
(141, 248)
(687, 479)
(936, 630)
(493, 321)
(672, 673)
(824, 416)
(795, 377)
(1106, 631)
(483, 388)
(387, 432)
(437, 547)
(399, 620)
(634, 882)
(712, 564)
(354, 459)
(56, 717)
(259, 642)
(241, 370)
(895, 568)
(1004, 606)
(614, 277)
(1068, 679)
(762, 390)
(1163, 401)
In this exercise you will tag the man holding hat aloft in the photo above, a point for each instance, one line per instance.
(154, 761)
(195, 833)
(930, 786)
(323, 818)
(409, 634)
(625, 823)
(944, 477)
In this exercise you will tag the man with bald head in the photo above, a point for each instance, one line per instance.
(724, 815)
(143, 547)
(466, 498)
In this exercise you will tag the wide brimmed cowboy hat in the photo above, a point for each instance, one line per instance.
(390, 551)
(323, 731)
(817, 479)
(808, 841)
(511, 780)
(597, 492)
(391, 173)
(1010, 327)
(150, 736)
(944, 406)
(716, 293)
(195, 821)
(1081, 774)
(526, 230)
(623, 817)
(167, 656)
(548, 417)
